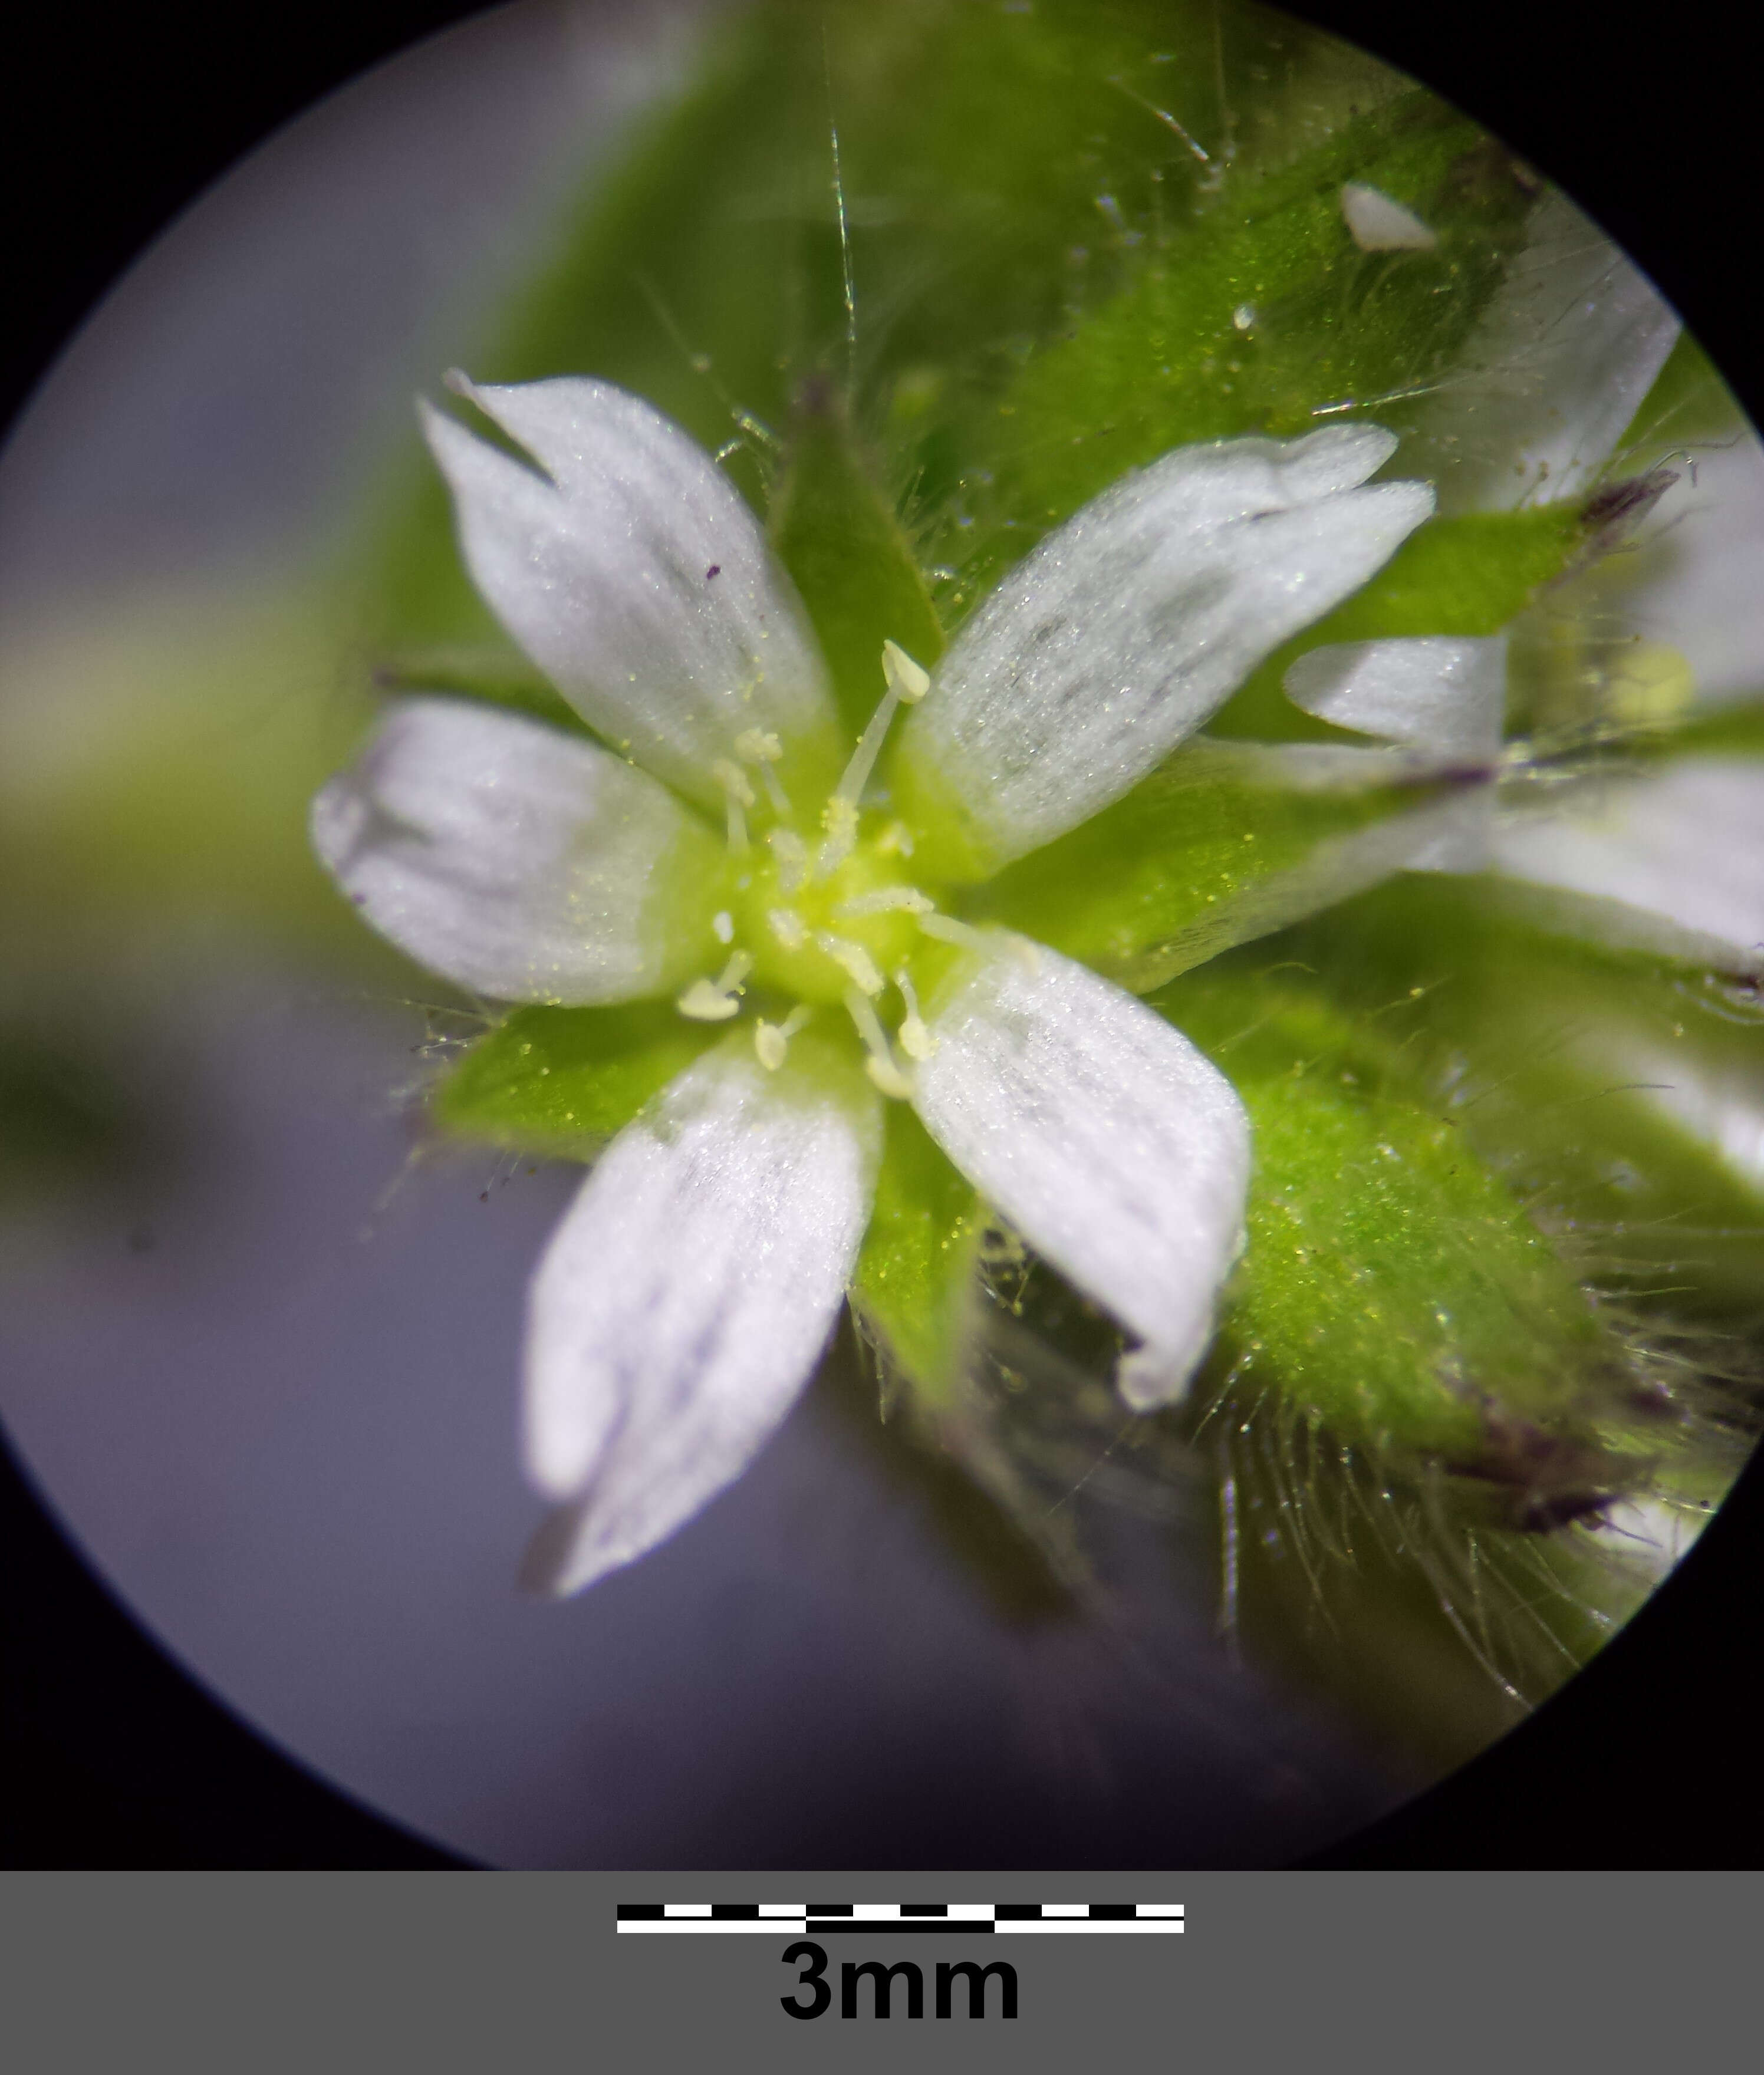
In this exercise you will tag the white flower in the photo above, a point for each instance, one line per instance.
(1669, 858)
(689, 1290)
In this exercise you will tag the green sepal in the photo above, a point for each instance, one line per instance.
(495, 672)
(563, 1081)
(838, 536)
(1223, 842)
(1534, 1037)
(1259, 314)
(914, 1282)
(1392, 1291)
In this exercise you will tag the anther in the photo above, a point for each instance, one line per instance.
(791, 854)
(906, 684)
(916, 1038)
(947, 931)
(771, 1041)
(884, 900)
(716, 1001)
(908, 680)
(852, 960)
(840, 819)
(787, 927)
(737, 794)
(759, 746)
(881, 1065)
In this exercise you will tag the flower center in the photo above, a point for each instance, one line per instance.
(822, 912)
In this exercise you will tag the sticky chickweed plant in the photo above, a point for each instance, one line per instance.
(1013, 714)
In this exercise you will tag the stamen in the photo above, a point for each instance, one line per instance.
(771, 1041)
(840, 819)
(791, 853)
(722, 926)
(716, 1001)
(734, 780)
(881, 1066)
(947, 931)
(787, 927)
(886, 898)
(908, 680)
(896, 840)
(907, 684)
(915, 1033)
(705, 1003)
(737, 793)
(853, 959)
(759, 746)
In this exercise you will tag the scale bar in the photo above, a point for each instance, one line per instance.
(937, 1919)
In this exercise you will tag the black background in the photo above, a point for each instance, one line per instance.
(114, 118)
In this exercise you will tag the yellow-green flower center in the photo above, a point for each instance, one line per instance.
(823, 914)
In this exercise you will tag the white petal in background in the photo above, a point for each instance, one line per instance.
(1683, 847)
(1437, 693)
(514, 860)
(1555, 372)
(1443, 696)
(1717, 1104)
(1123, 631)
(1119, 1151)
(684, 1301)
(635, 575)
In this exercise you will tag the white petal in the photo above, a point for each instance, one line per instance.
(1438, 693)
(1121, 1154)
(684, 1301)
(1554, 371)
(1444, 695)
(635, 576)
(1125, 630)
(513, 860)
(1377, 224)
(1718, 1104)
(1684, 845)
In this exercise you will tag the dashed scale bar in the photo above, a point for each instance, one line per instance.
(962, 1918)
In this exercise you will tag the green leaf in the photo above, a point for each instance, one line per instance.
(913, 1283)
(1225, 842)
(562, 1081)
(1393, 1290)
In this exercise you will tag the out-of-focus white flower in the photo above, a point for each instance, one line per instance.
(1668, 859)
(727, 848)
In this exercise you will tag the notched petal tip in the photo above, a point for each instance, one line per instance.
(1129, 627)
(686, 1297)
(1119, 1152)
(508, 857)
(598, 558)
